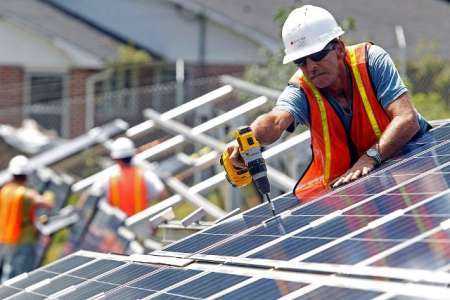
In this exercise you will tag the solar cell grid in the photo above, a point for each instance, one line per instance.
(388, 203)
(58, 284)
(281, 204)
(207, 285)
(88, 290)
(439, 206)
(337, 227)
(67, 264)
(33, 278)
(128, 293)
(264, 289)
(96, 268)
(126, 274)
(421, 255)
(239, 245)
(351, 251)
(236, 225)
(327, 292)
(195, 243)
(163, 279)
(290, 248)
(404, 227)
(26, 296)
(327, 205)
(6, 291)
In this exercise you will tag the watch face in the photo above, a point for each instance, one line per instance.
(372, 152)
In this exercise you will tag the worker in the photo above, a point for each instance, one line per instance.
(130, 188)
(18, 235)
(351, 97)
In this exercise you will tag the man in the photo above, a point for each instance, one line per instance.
(352, 99)
(18, 234)
(130, 188)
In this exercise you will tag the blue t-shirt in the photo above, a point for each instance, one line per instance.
(386, 81)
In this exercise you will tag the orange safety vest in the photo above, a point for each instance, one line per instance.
(128, 190)
(16, 215)
(334, 150)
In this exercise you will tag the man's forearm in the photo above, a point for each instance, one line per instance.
(398, 133)
(269, 127)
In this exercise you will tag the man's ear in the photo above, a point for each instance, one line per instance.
(340, 49)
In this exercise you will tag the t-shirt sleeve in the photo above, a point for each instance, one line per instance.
(154, 184)
(293, 100)
(385, 76)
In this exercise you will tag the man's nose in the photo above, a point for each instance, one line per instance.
(311, 65)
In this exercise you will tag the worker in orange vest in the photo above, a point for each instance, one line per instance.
(351, 97)
(18, 234)
(130, 188)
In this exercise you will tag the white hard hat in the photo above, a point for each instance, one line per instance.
(19, 165)
(122, 148)
(307, 30)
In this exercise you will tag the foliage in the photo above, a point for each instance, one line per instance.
(130, 55)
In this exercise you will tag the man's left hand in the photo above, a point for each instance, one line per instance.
(362, 167)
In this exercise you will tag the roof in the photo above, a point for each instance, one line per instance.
(75, 36)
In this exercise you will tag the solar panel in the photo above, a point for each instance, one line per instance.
(384, 236)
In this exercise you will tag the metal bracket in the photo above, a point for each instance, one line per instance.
(194, 217)
(164, 216)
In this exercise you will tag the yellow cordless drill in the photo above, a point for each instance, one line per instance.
(250, 150)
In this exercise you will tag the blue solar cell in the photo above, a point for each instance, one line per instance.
(438, 206)
(58, 284)
(33, 278)
(328, 205)
(421, 255)
(27, 296)
(281, 203)
(170, 297)
(388, 203)
(351, 251)
(402, 228)
(239, 245)
(282, 226)
(337, 227)
(236, 225)
(443, 150)
(328, 292)
(415, 166)
(290, 248)
(436, 135)
(207, 285)
(89, 290)
(163, 279)
(368, 186)
(196, 243)
(96, 268)
(264, 289)
(68, 264)
(431, 183)
(6, 291)
(128, 294)
(127, 274)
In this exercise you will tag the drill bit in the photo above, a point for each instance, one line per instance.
(272, 206)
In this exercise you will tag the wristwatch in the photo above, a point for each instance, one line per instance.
(375, 155)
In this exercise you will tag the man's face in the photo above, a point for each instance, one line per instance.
(324, 72)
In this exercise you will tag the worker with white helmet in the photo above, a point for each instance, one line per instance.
(18, 234)
(130, 188)
(351, 97)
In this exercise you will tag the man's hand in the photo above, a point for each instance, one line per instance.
(235, 156)
(362, 167)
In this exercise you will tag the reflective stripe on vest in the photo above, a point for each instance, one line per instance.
(128, 191)
(332, 145)
(11, 213)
